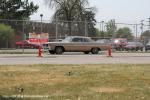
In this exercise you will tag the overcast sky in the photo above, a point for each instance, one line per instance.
(128, 11)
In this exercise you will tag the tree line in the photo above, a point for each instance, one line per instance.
(67, 10)
(10, 10)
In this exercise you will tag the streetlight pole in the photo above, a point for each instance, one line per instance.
(56, 27)
(102, 28)
(41, 15)
(23, 29)
(136, 31)
(86, 30)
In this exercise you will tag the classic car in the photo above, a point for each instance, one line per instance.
(76, 44)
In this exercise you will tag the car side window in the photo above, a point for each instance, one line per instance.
(77, 40)
(86, 40)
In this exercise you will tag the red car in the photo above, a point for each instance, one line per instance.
(25, 44)
(119, 43)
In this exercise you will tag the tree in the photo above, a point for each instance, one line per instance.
(145, 36)
(124, 32)
(72, 10)
(68, 10)
(90, 17)
(101, 34)
(16, 9)
(111, 28)
(6, 36)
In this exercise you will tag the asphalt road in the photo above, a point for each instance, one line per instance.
(75, 58)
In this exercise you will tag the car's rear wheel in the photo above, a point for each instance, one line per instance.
(95, 50)
(59, 50)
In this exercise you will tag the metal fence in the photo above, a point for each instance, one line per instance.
(60, 29)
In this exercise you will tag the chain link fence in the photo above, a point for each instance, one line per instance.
(59, 29)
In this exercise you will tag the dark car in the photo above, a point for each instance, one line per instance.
(147, 47)
(134, 46)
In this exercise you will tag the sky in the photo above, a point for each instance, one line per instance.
(126, 11)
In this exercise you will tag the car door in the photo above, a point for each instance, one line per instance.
(86, 44)
(77, 44)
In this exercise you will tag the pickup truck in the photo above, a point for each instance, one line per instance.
(76, 44)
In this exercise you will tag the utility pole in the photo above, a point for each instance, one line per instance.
(149, 23)
(142, 26)
(113, 22)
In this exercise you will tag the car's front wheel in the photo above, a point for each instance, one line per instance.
(95, 50)
(59, 50)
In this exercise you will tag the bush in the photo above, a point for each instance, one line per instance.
(6, 36)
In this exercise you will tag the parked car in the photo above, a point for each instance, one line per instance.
(26, 45)
(119, 43)
(147, 47)
(55, 40)
(76, 44)
(134, 46)
(104, 41)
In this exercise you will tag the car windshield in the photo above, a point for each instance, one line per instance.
(67, 39)
(77, 39)
(87, 40)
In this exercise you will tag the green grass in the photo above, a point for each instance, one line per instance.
(78, 82)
